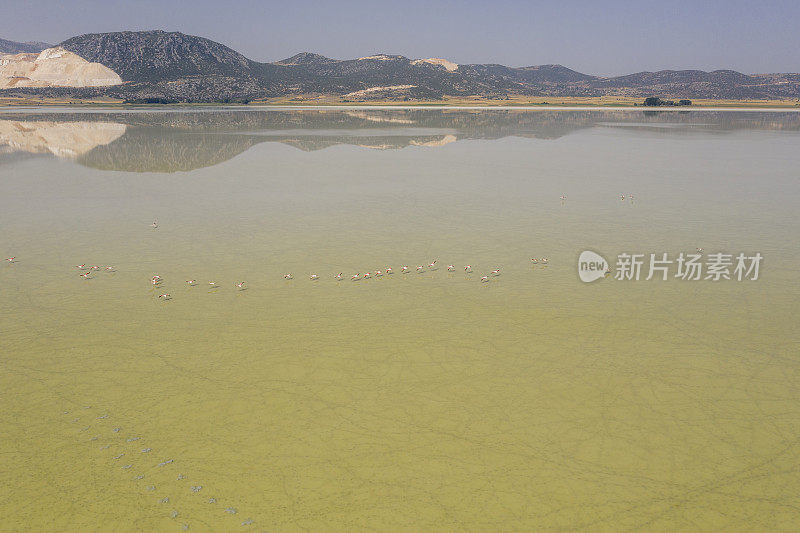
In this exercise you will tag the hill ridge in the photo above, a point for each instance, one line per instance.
(174, 66)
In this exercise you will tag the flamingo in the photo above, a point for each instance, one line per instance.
(213, 284)
(378, 273)
(468, 268)
(165, 296)
(431, 265)
(76, 266)
(366, 275)
(496, 272)
(389, 270)
(191, 282)
(543, 260)
(419, 268)
(11, 259)
(110, 268)
(699, 250)
(154, 224)
(404, 270)
(450, 268)
(85, 275)
(314, 277)
(485, 279)
(338, 277)
(240, 285)
(355, 277)
(622, 197)
(287, 276)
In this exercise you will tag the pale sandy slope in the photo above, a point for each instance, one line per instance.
(53, 67)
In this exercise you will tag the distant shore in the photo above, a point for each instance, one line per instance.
(511, 102)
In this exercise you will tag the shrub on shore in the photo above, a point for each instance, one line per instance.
(654, 101)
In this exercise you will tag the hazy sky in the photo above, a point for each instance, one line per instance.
(595, 37)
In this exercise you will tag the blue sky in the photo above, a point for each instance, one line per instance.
(602, 38)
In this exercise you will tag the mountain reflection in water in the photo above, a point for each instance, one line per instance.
(184, 140)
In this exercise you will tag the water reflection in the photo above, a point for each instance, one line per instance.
(183, 140)
(68, 139)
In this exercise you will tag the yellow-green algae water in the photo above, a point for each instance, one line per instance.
(419, 401)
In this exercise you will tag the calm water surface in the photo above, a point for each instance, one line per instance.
(411, 401)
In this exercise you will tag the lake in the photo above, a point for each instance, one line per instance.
(419, 400)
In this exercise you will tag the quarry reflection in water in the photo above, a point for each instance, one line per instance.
(405, 401)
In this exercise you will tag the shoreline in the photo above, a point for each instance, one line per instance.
(128, 108)
(580, 103)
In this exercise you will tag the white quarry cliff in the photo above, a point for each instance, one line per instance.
(449, 65)
(53, 67)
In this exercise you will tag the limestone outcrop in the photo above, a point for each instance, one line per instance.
(53, 67)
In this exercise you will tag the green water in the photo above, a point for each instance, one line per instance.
(419, 401)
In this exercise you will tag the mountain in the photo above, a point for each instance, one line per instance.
(159, 66)
(701, 84)
(306, 59)
(159, 55)
(533, 74)
(31, 47)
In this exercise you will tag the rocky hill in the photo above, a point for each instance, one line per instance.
(153, 56)
(53, 67)
(31, 47)
(158, 66)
